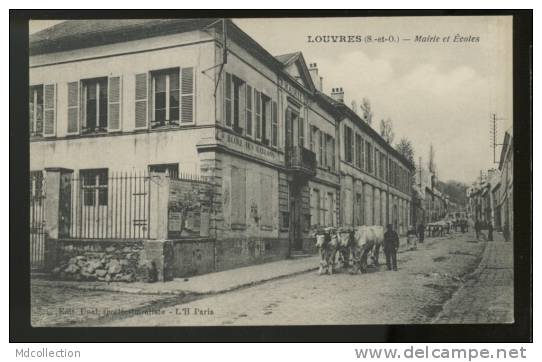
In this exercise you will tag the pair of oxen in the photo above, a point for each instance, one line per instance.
(352, 245)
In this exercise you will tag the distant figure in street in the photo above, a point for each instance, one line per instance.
(490, 231)
(421, 232)
(391, 244)
(477, 227)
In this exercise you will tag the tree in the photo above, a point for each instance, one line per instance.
(431, 165)
(386, 130)
(354, 106)
(405, 148)
(367, 113)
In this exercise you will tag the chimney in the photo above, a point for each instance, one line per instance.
(337, 94)
(313, 70)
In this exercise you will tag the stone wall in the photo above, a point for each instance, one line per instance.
(104, 260)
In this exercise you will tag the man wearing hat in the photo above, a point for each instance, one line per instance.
(391, 244)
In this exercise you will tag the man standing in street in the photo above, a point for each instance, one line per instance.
(391, 244)
(477, 229)
(421, 232)
(490, 231)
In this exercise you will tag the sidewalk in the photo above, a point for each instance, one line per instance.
(211, 283)
(488, 295)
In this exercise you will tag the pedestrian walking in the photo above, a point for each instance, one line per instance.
(391, 244)
(506, 231)
(490, 231)
(421, 232)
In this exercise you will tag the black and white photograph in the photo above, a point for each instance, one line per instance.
(272, 171)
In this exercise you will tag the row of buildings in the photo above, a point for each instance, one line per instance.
(201, 96)
(430, 203)
(490, 197)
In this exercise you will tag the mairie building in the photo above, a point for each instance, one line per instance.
(200, 96)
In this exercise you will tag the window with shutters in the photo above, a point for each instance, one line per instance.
(165, 97)
(94, 185)
(35, 101)
(95, 105)
(234, 102)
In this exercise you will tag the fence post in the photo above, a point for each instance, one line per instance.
(159, 198)
(57, 181)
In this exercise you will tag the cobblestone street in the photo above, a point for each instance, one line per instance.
(426, 280)
(451, 279)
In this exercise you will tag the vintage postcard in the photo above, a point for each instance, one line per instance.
(271, 171)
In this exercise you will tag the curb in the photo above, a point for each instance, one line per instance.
(479, 269)
(179, 292)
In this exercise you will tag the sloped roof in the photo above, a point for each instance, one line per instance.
(74, 34)
(287, 59)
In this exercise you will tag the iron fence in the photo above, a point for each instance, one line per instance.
(109, 206)
(37, 221)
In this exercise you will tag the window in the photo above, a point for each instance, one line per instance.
(312, 138)
(377, 162)
(35, 102)
(236, 103)
(165, 93)
(369, 157)
(171, 169)
(301, 132)
(358, 148)
(348, 144)
(94, 105)
(320, 148)
(315, 207)
(359, 208)
(94, 183)
(330, 208)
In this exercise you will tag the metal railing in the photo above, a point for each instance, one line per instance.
(37, 221)
(301, 159)
(113, 206)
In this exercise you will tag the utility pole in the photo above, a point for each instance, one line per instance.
(493, 135)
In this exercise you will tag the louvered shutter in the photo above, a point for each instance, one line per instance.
(73, 108)
(257, 100)
(187, 95)
(49, 110)
(141, 100)
(114, 107)
(249, 110)
(227, 100)
(274, 125)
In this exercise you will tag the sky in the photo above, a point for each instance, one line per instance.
(435, 93)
